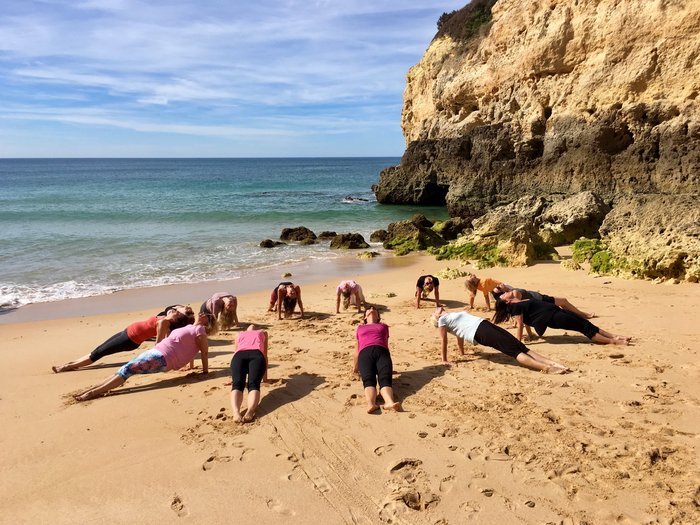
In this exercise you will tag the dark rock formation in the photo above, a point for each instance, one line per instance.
(378, 236)
(452, 228)
(298, 234)
(412, 235)
(325, 235)
(269, 243)
(348, 241)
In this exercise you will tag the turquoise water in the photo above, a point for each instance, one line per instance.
(80, 227)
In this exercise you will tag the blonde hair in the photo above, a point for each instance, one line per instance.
(471, 283)
(346, 301)
(434, 320)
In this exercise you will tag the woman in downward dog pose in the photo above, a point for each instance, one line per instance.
(542, 315)
(286, 296)
(172, 353)
(352, 294)
(476, 330)
(426, 284)
(249, 359)
(158, 326)
(223, 307)
(373, 361)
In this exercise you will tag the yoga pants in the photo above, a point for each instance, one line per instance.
(374, 363)
(249, 363)
(565, 320)
(148, 362)
(488, 334)
(117, 343)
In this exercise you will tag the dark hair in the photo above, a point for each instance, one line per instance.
(502, 312)
(181, 320)
(289, 303)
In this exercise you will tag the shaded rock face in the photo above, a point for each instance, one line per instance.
(578, 216)
(326, 235)
(269, 243)
(348, 241)
(452, 228)
(378, 236)
(298, 234)
(412, 235)
(553, 98)
(655, 236)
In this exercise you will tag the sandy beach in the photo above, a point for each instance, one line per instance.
(487, 441)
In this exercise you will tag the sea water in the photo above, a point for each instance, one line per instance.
(80, 227)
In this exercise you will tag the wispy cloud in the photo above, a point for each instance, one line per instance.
(284, 68)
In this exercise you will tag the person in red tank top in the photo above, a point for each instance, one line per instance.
(158, 326)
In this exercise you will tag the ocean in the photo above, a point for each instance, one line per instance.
(73, 228)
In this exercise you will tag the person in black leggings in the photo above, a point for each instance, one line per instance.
(476, 330)
(373, 361)
(520, 293)
(542, 315)
(249, 359)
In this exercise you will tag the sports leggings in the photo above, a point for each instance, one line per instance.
(375, 363)
(249, 363)
(565, 320)
(489, 334)
(117, 343)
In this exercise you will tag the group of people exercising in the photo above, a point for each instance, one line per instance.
(180, 335)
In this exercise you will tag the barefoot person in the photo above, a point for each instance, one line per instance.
(352, 294)
(474, 284)
(158, 326)
(425, 285)
(542, 315)
(223, 307)
(476, 330)
(286, 296)
(373, 361)
(520, 293)
(172, 353)
(249, 359)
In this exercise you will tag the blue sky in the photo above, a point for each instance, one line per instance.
(208, 78)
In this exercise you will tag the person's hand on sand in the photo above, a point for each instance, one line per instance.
(448, 364)
(531, 337)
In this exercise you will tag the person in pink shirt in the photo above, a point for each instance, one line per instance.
(373, 361)
(172, 353)
(352, 294)
(249, 359)
(222, 306)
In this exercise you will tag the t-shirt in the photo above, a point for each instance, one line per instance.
(372, 334)
(140, 331)
(250, 340)
(352, 285)
(215, 303)
(180, 347)
(461, 324)
(535, 313)
(487, 285)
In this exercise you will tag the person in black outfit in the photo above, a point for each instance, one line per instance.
(425, 285)
(542, 315)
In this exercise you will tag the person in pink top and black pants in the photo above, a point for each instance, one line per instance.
(373, 361)
(172, 353)
(249, 359)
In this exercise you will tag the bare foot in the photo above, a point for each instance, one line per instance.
(237, 418)
(556, 369)
(57, 369)
(85, 396)
(392, 406)
(621, 340)
(248, 417)
(372, 409)
(591, 316)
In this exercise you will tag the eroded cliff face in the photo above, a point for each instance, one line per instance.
(552, 98)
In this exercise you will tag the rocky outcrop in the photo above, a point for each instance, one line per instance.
(517, 97)
(452, 228)
(299, 234)
(269, 243)
(378, 236)
(348, 241)
(578, 216)
(654, 237)
(412, 235)
(325, 235)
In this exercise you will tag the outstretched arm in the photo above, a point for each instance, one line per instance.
(488, 301)
(443, 338)
(234, 300)
(437, 296)
(472, 296)
(301, 305)
(337, 301)
(460, 345)
(279, 303)
(418, 294)
(162, 330)
(358, 300)
(203, 345)
(519, 324)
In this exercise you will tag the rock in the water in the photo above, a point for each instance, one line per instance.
(298, 234)
(325, 235)
(378, 236)
(269, 243)
(348, 241)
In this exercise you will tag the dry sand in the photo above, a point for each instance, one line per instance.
(487, 441)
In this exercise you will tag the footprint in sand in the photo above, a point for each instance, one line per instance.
(178, 506)
(278, 507)
(246, 454)
(384, 449)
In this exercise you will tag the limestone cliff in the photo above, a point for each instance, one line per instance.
(552, 98)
